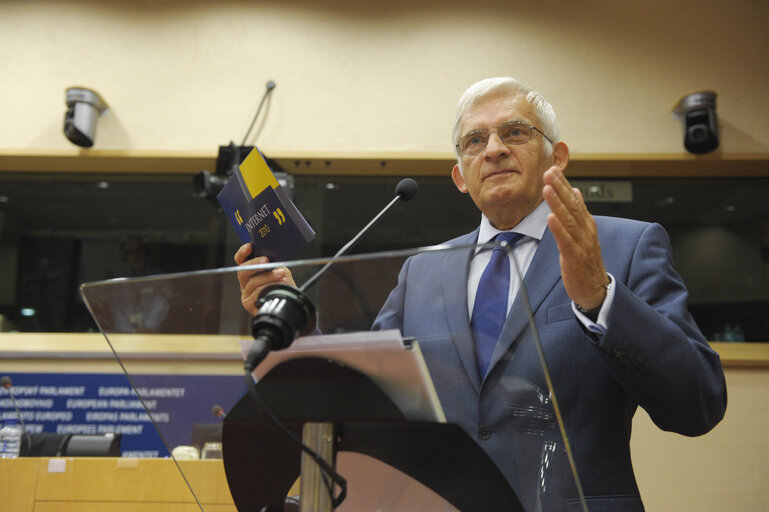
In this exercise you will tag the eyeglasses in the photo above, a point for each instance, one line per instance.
(514, 133)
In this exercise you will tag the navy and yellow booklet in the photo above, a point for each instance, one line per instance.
(262, 213)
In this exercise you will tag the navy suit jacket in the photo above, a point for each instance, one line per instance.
(652, 355)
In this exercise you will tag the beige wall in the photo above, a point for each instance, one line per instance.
(725, 469)
(188, 75)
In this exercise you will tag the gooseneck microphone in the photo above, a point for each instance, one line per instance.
(404, 191)
(218, 411)
(286, 312)
(6, 382)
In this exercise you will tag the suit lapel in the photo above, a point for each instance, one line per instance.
(543, 274)
(454, 275)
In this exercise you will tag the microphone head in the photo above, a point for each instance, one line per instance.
(270, 85)
(217, 410)
(406, 189)
(5, 382)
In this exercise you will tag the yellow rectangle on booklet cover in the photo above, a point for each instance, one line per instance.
(257, 174)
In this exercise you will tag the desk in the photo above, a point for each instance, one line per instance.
(111, 485)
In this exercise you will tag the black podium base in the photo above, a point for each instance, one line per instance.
(261, 464)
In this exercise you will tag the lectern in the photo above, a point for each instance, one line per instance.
(387, 435)
(309, 386)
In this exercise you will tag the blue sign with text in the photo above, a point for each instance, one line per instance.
(71, 403)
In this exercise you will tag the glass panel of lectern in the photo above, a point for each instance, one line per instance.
(396, 402)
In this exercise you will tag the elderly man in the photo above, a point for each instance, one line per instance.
(608, 306)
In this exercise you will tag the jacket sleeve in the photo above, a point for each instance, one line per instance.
(653, 347)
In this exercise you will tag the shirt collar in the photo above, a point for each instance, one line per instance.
(533, 225)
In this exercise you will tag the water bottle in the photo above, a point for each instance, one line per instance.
(10, 439)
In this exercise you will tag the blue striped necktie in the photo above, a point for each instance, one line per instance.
(490, 308)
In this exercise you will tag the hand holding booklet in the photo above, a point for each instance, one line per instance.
(262, 213)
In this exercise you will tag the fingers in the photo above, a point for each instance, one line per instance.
(257, 282)
(242, 258)
(576, 234)
(243, 253)
(253, 281)
(565, 201)
(570, 221)
(251, 289)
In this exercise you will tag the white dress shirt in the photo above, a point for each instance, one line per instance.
(533, 228)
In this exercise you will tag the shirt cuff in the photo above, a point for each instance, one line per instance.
(600, 325)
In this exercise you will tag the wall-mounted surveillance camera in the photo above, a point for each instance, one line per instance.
(84, 106)
(697, 112)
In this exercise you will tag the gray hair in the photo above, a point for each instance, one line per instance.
(542, 108)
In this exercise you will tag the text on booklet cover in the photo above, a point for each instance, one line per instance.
(262, 213)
